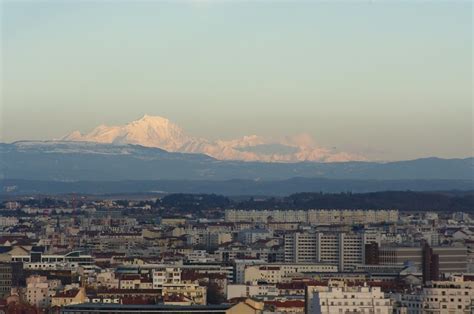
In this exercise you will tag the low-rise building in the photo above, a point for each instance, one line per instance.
(40, 290)
(69, 297)
(250, 236)
(252, 290)
(274, 273)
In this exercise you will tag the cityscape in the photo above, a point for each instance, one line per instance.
(91, 254)
(239, 157)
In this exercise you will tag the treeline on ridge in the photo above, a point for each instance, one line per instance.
(402, 200)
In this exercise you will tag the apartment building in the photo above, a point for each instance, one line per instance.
(339, 248)
(193, 292)
(252, 290)
(171, 273)
(107, 279)
(69, 297)
(135, 281)
(443, 297)
(234, 251)
(313, 216)
(40, 290)
(6, 270)
(239, 268)
(165, 275)
(343, 299)
(207, 239)
(250, 236)
(274, 273)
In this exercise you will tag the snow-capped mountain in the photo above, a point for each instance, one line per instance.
(159, 132)
(148, 131)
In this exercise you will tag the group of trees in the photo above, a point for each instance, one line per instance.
(401, 200)
(196, 203)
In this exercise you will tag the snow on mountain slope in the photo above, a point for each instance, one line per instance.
(155, 131)
(148, 131)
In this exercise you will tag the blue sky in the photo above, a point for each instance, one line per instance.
(387, 79)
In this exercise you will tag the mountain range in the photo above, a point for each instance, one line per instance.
(73, 161)
(159, 132)
(85, 167)
(153, 154)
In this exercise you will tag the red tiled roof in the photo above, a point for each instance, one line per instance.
(67, 294)
(138, 300)
(174, 298)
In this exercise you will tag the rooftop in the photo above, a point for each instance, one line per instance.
(100, 307)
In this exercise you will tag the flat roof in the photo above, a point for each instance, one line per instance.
(145, 308)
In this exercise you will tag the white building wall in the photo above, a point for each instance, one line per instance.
(333, 300)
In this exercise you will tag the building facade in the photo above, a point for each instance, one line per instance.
(343, 299)
(450, 259)
(314, 216)
(339, 248)
(442, 297)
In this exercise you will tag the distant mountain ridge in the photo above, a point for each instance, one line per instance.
(84, 161)
(159, 132)
(228, 187)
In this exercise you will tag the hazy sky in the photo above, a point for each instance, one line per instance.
(388, 79)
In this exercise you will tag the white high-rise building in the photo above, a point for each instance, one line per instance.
(340, 248)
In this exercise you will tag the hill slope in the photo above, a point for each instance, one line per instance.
(81, 161)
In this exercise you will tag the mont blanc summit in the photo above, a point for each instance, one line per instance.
(150, 131)
(156, 131)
